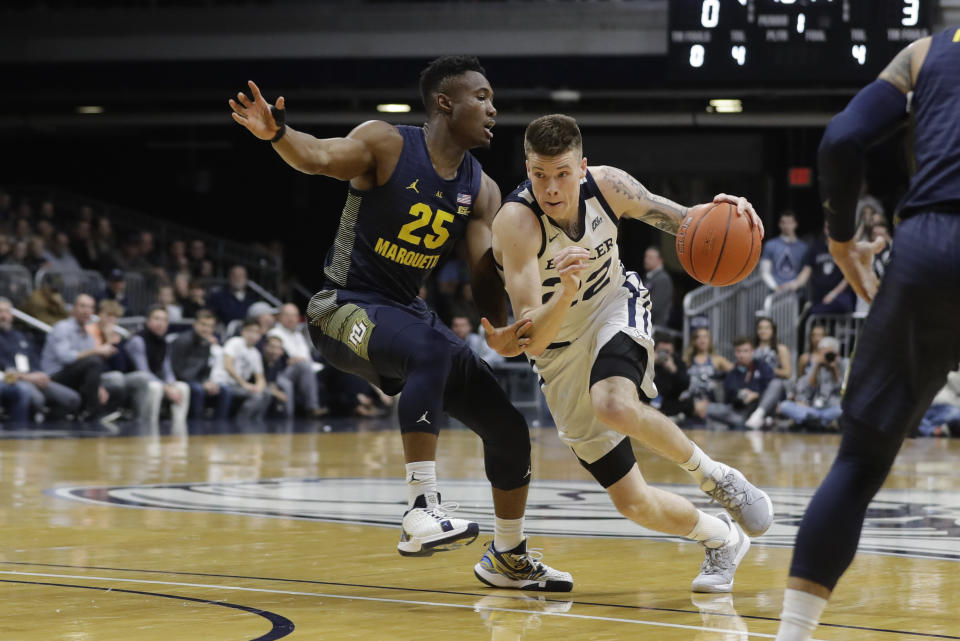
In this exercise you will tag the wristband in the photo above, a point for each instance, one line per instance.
(279, 117)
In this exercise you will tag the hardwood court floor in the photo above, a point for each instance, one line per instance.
(292, 536)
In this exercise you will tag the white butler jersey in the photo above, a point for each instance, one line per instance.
(610, 301)
(604, 277)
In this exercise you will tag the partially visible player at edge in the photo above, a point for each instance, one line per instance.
(591, 343)
(414, 192)
(910, 340)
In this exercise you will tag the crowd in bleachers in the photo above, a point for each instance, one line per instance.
(125, 331)
(203, 348)
(767, 385)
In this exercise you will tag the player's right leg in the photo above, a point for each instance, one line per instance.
(474, 397)
(725, 544)
(615, 380)
(395, 347)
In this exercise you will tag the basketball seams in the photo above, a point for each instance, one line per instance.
(723, 244)
(749, 255)
(693, 235)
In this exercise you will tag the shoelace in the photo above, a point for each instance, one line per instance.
(728, 486)
(716, 560)
(440, 510)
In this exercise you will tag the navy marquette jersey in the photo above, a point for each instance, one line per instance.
(936, 107)
(392, 236)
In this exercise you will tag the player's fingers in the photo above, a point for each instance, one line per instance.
(281, 103)
(255, 90)
(487, 325)
(523, 342)
(243, 100)
(240, 119)
(877, 246)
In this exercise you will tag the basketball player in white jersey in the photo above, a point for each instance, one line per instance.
(555, 238)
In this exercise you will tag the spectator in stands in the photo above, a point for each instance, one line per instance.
(704, 366)
(45, 303)
(168, 301)
(817, 402)
(670, 373)
(777, 356)
(116, 287)
(198, 255)
(131, 260)
(22, 230)
(279, 386)
(783, 256)
(18, 253)
(190, 358)
(176, 261)
(817, 332)
(743, 386)
(197, 299)
(232, 301)
(181, 290)
(47, 210)
(71, 358)
(36, 258)
(83, 248)
(148, 350)
(6, 249)
(829, 291)
(86, 214)
(20, 361)
(943, 417)
(301, 370)
(106, 245)
(264, 314)
(58, 256)
(115, 377)
(46, 231)
(243, 369)
(660, 285)
(461, 326)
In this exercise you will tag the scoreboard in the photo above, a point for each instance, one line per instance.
(790, 42)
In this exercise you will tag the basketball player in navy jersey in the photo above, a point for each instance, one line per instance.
(910, 340)
(591, 344)
(413, 193)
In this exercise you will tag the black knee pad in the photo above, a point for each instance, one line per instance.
(506, 454)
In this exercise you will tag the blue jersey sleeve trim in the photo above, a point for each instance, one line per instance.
(595, 190)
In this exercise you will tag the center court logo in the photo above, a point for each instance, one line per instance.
(914, 523)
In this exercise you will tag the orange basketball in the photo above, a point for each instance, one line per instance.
(716, 246)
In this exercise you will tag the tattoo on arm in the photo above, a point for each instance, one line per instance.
(897, 73)
(662, 213)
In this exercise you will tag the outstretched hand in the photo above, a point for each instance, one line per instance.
(255, 114)
(855, 260)
(743, 207)
(510, 340)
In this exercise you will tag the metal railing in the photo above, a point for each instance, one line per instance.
(844, 327)
(729, 311)
(783, 308)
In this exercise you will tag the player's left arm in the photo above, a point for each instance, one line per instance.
(627, 197)
(877, 109)
(488, 293)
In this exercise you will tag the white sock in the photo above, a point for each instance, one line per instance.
(421, 479)
(507, 533)
(700, 466)
(712, 532)
(800, 616)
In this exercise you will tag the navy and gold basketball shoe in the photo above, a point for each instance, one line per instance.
(520, 570)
